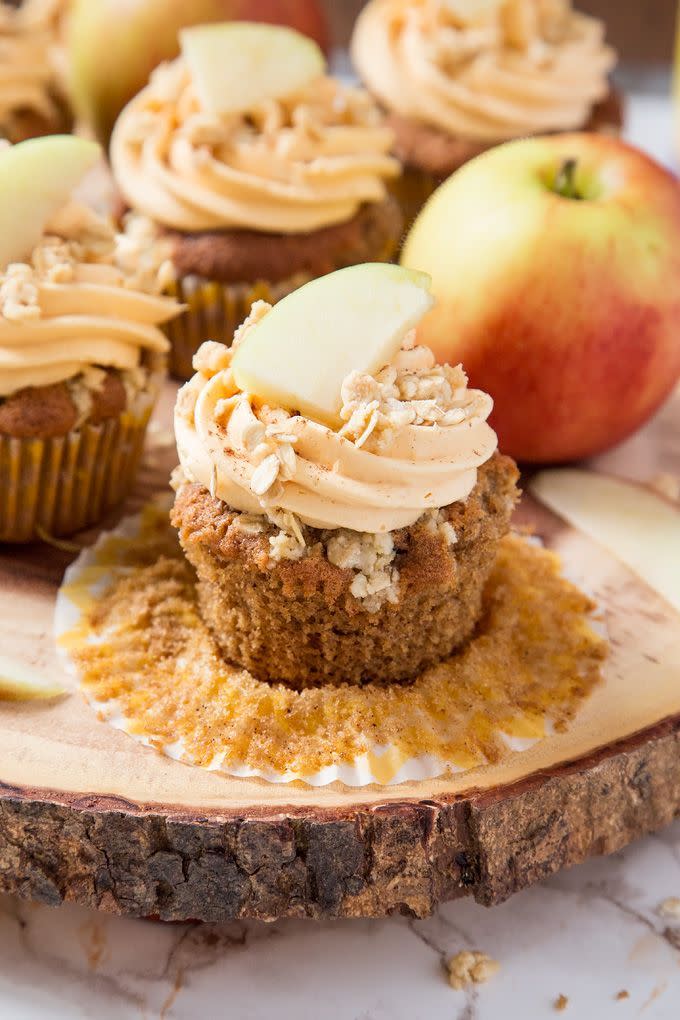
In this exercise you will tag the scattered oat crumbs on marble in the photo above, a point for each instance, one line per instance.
(471, 967)
(670, 908)
(622, 995)
(561, 1003)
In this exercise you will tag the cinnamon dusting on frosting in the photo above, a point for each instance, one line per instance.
(413, 439)
(290, 166)
(84, 297)
(526, 66)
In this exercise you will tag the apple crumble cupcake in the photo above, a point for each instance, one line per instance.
(457, 78)
(340, 555)
(81, 360)
(32, 95)
(252, 203)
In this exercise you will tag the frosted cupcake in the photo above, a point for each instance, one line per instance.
(253, 183)
(457, 77)
(342, 522)
(32, 97)
(81, 352)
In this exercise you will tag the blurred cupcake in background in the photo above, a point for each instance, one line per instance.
(81, 352)
(252, 183)
(32, 95)
(457, 77)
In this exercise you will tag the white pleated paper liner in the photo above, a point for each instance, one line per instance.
(113, 558)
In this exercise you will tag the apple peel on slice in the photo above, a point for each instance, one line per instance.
(355, 319)
(235, 66)
(19, 682)
(640, 528)
(37, 178)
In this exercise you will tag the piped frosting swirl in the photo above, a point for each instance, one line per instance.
(289, 166)
(413, 438)
(84, 297)
(519, 67)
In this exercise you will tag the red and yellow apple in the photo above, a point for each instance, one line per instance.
(555, 263)
(114, 45)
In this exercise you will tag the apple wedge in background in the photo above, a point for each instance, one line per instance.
(298, 355)
(19, 682)
(236, 66)
(639, 527)
(37, 178)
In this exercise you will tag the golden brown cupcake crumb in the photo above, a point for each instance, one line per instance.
(299, 621)
(471, 967)
(232, 256)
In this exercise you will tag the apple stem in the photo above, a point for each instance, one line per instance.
(565, 182)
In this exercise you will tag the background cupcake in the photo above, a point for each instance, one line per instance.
(456, 82)
(81, 354)
(340, 555)
(32, 97)
(249, 203)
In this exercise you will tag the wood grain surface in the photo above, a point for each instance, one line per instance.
(88, 815)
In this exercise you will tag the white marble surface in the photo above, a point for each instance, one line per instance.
(588, 934)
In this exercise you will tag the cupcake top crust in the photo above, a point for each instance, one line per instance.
(411, 439)
(289, 165)
(28, 59)
(484, 71)
(83, 301)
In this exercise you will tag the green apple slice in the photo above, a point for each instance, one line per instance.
(238, 65)
(640, 528)
(19, 682)
(36, 180)
(298, 355)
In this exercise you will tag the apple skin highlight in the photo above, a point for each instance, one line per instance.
(566, 311)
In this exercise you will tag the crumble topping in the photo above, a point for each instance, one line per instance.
(77, 237)
(413, 390)
(471, 967)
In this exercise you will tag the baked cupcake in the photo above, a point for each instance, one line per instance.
(349, 544)
(253, 186)
(457, 78)
(81, 351)
(32, 97)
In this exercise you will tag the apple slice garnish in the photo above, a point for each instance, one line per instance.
(237, 65)
(19, 682)
(299, 354)
(640, 528)
(36, 180)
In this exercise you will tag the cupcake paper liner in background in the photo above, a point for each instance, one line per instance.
(55, 487)
(214, 312)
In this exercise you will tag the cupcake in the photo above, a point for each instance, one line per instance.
(81, 352)
(348, 552)
(249, 202)
(32, 96)
(457, 78)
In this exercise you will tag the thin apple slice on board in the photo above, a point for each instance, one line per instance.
(238, 65)
(37, 178)
(640, 528)
(355, 319)
(19, 682)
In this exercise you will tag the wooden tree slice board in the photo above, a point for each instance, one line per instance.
(88, 815)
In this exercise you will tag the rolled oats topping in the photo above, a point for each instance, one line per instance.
(413, 437)
(81, 300)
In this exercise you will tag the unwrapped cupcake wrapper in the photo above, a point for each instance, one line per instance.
(412, 190)
(55, 487)
(214, 312)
